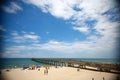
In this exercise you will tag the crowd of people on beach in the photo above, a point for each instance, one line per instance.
(46, 69)
(36, 67)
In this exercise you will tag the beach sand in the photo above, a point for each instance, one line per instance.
(60, 73)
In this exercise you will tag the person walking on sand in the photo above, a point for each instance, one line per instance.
(78, 69)
(45, 71)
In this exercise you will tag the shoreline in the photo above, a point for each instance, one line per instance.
(70, 63)
(104, 67)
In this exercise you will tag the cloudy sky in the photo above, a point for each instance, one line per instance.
(59, 28)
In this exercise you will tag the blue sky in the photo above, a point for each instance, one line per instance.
(50, 28)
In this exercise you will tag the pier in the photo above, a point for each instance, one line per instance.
(104, 67)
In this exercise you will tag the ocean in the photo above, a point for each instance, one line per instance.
(19, 62)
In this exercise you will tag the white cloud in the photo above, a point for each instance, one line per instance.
(29, 36)
(82, 29)
(76, 48)
(24, 37)
(78, 12)
(60, 8)
(12, 8)
(32, 32)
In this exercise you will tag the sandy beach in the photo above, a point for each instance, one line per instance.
(60, 73)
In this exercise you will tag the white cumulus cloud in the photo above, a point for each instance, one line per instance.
(24, 37)
(60, 8)
(85, 49)
(12, 8)
(82, 29)
(102, 34)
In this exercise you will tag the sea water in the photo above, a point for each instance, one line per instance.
(19, 62)
(16, 62)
